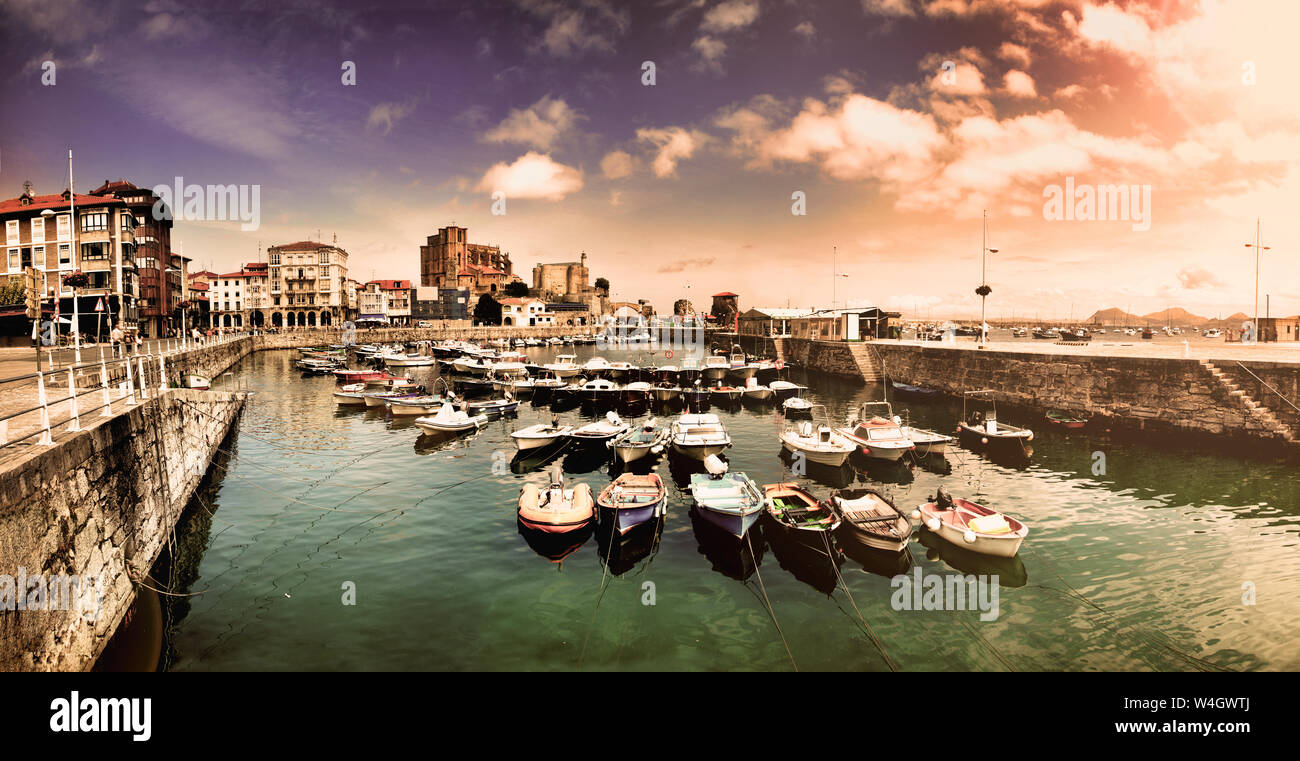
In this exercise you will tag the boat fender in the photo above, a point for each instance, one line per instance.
(932, 524)
(916, 514)
(984, 440)
(1030, 437)
(968, 537)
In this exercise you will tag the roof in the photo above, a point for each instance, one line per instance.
(198, 286)
(53, 201)
(202, 273)
(391, 285)
(482, 270)
(301, 245)
(780, 313)
(112, 186)
(725, 293)
(235, 274)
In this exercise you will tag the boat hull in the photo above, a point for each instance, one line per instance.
(735, 524)
(1002, 546)
(699, 451)
(832, 459)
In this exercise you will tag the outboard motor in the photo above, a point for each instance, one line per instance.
(942, 499)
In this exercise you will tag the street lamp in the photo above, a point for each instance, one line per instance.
(185, 321)
(984, 290)
(1257, 245)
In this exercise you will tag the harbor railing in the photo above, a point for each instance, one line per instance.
(36, 406)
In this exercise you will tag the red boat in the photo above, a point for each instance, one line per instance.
(355, 376)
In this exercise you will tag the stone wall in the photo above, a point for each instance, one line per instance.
(1171, 395)
(100, 504)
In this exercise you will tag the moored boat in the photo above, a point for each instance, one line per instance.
(450, 419)
(636, 443)
(870, 519)
(699, 435)
(794, 512)
(1065, 420)
(599, 432)
(556, 510)
(972, 526)
(879, 434)
(817, 443)
(730, 501)
(541, 436)
(981, 429)
(634, 499)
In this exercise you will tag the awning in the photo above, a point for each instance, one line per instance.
(372, 318)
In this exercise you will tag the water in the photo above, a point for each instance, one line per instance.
(1141, 568)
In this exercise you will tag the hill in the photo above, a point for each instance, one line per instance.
(1176, 316)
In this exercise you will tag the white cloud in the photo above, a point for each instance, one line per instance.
(532, 175)
(383, 116)
(888, 7)
(806, 30)
(1013, 53)
(1018, 84)
(729, 16)
(710, 49)
(539, 125)
(673, 144)
(617, 164)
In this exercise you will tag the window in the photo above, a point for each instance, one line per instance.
(324, 257)
(15, 262)
(94, 221)
(89, 251)
(38, 230)
(273, 259)
(99, 279)
(64, 226)
(11, 232)
(128, 222)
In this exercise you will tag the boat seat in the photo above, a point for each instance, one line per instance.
(990, 524)
(582, 497)
(529, 497)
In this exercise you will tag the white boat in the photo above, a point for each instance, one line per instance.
(600, 431)
(381, 398)
(742, 368)
(416, 405)
(733, 502)
(197, 382)
(350, 395)
(796, 404)
(879, 435)
(556, 510)
(666, 392)
(1213, 333)
(699, 435)
(598, 390)
(981, 429)
(818, 443)
(472, 365)
(450, 419)
(784, 389)
(595, 366)
(639, 442)
(927, 442)
(754, 390)
(411, 360)
(617, 370)
(715, 367)
(563, 366)
(540, 436)
(972, 526)
(509, 369)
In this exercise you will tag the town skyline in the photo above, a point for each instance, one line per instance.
(691, 180)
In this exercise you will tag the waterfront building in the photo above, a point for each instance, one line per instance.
(39, 234)
(397, 300)
(844, 324)
(525, 312)
(771, 322)
(449, 260)
(307, 285)
(156, 312)
(373, 303)
(227, 295)
(440, 304)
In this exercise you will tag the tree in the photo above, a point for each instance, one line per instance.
(487, 311)
(12, 291)
(516, 289)
(602, 284)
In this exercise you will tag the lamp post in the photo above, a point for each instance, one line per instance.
(1259, 248)
(835, 274)
(185, 327)
(984, 290)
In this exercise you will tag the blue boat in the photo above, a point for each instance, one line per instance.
(730, 501)
(916, 392)
(634, 499)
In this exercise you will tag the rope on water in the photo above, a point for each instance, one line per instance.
(768, 602)
(871, 635)
(613, 526)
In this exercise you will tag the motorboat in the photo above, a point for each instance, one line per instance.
(197, 382)
(563, 366)
(595, 367)
(730, 501)
(665, 392)
(981, 429)
(348, 375)
(350, 395)
(634, 499)
(472, 365)
(599, 432)
(870, 519)
(649, 439)
(411, 360)
(688, 371)
(541, 436)
(796, 405)
(491, 406)
(388, 382)
(556, 510)
(925, 441)
(695, 395)
(509, 369)
(755, 391)
(715, 368)
(450, 419)
(316, 366)
(817, 443)
(599, 390)
(725, 393)
(783, 389)
(381, 398)
(879, 434)
(416, 405)
(972, 526)
(908, 391)
(1213, 333)
(699, 435)
(741, 368)
(619, 370)
(793, 512)
(666, 373)
(636, 392)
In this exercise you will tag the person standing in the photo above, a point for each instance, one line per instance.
(117, 336)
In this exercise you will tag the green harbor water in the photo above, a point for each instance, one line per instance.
(1148, 565)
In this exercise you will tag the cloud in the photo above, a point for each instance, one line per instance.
(617, 164)
(681, 265)
(532, 175)
(573, 29)
(1018, 84)
(888, 7)
(383, 116)
(1013, 53)
(539, 125)
(710, 49)
(1196, 278)
(730, 16)
(806, 30)
(673, 144)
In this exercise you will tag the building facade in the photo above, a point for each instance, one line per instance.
(39, 234)
(397, 299)
(449, 260)
(307, 285)
(159, 288)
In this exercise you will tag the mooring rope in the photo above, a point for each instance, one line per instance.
(871, 635)
(768, 602)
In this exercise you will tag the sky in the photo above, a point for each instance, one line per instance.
(893, 125)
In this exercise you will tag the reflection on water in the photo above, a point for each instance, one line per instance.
(316, 497)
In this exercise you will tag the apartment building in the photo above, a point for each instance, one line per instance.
(307, 285)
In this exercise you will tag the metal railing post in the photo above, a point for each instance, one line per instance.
(144, 378)
(162, 374)
(107, 409)
(75, 425)
(130, 384)
(45, 439)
